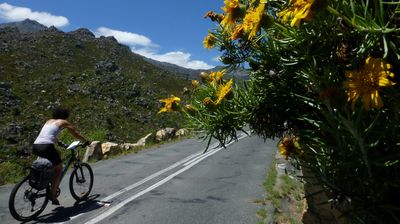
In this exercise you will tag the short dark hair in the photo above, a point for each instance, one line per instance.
(60, 113)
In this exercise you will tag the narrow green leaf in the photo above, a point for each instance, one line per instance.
(385, 47)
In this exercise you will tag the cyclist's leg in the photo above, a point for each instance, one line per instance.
(55, 182)
(54, 157)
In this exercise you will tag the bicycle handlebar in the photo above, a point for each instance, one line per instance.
(62, 144)
(80, 144)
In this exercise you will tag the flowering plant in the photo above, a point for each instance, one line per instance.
(324, 79)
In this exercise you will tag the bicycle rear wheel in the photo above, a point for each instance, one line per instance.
(81, 181)
(26, 203)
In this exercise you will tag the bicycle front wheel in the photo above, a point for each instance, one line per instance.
(26, 203)
(81, 181)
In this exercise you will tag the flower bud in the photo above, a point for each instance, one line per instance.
(190, 109)
(209, 103)
(195, 84)
(204, 77)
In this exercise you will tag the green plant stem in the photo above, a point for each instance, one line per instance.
(338, 14)
(360, 143)
(383, 30)
(282, 28)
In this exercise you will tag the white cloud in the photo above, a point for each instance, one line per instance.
(14, 13)
(175, 57)
(131, 39)
(144, 46)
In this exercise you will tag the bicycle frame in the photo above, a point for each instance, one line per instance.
(72, 158)
(82, 174)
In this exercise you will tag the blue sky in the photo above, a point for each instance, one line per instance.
(165, 30)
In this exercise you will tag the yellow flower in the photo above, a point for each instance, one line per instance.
(298, 11)
(288, 146)
(170, 104)
(237, 32)
(232, 13)
(223, 91)
(252, 20)
(216, 77)
(365, 82)
(209, 41)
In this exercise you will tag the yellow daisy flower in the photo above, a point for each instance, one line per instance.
(365, 82)
(223, 91)
(298, 11)
(232, 13)
(170, 104)
(252, 20)
(209, 41)
(216, 77)
(237, 32)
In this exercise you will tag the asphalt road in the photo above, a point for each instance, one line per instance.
(172, 184)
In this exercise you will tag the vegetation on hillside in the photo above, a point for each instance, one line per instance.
(112, 93)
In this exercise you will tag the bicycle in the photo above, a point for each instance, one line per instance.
(26, 203)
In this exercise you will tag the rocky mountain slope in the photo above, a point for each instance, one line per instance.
(113, 94)
(238, 73)
(25, 26)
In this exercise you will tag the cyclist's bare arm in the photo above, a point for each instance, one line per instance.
(72, 130)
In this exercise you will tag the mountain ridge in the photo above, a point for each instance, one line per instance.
(25, 26)
(32, 26)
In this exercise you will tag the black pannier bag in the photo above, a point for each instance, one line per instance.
(41, 173)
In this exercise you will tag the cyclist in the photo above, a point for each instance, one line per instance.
(47, 138)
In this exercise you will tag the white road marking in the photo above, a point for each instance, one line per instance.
(114, 208)
(105, 201)
(187, 162)
(149, 177)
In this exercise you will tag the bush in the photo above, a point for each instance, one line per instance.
(11, 172)
(324, 79)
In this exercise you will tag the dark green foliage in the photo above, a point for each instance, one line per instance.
(304, 82)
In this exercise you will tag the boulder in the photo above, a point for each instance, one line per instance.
(160, 135)
(128, 146)
(93, 150)
(165, 134)
(100, 150)
(142, 141)
(181, 132)
(106, 147)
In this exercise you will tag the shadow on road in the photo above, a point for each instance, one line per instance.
(64, 214)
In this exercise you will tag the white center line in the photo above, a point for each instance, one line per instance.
(187, 166)
(152, 187)
(106, 200)
(149, 177)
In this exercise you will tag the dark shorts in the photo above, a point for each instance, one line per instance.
(47, 151)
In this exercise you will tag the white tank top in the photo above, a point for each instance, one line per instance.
(48, 134)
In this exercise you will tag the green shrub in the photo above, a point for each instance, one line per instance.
(11, 172)
(325, 79)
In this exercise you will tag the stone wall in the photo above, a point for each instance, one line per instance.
(100, 150)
